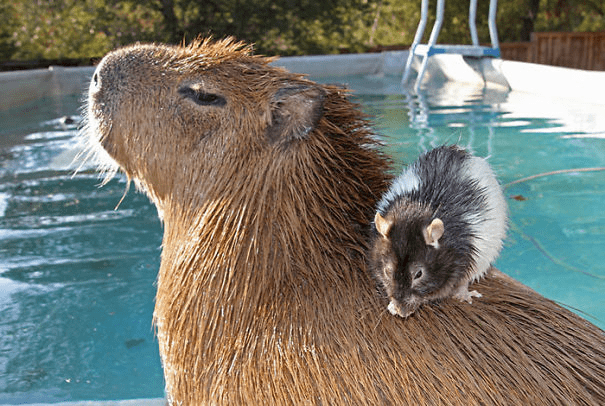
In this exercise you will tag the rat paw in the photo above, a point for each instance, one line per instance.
(398, 310)
(467, 296)
(474, 293)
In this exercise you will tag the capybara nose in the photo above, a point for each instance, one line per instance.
(105, 77)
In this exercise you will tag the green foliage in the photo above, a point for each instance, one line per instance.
(55, 29)
(7, 27)
(394, 22)
(571, 15)
(51, 29)
(518, 18)
(280, 27)
(513, 20)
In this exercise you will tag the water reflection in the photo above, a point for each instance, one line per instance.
(76, 277)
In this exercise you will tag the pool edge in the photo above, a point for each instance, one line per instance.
(21, 87)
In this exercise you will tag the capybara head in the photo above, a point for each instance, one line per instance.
(267, 183)
(171, 116)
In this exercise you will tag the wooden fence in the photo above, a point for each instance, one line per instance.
(580, 50)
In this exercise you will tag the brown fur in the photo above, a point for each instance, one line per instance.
(263, 296)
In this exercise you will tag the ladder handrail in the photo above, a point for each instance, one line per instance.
(491, 23)
(438, 23)
(472, 17)
(424, 15)
(430, 48)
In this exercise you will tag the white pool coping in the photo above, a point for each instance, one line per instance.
(19, 88)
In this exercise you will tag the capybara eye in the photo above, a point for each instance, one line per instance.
(202, 98)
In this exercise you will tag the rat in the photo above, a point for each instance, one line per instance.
(437, 229)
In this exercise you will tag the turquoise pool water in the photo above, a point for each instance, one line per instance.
(77, 277)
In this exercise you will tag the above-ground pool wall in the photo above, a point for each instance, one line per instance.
(21, 87)
(322, 66)
(581, 85)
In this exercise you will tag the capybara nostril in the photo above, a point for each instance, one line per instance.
(95, 83)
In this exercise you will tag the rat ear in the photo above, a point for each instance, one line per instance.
(433, 232)
(295, 111)
(382, 225)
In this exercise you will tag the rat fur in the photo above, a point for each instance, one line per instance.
(437, 229)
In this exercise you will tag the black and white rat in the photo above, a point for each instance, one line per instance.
(437, 229)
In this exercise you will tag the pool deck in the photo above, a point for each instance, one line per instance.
(22, 87)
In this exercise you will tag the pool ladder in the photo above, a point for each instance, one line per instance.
(430, 49)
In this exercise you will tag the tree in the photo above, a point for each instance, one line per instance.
(7, 27)
(571, 15)
(50, 29)
(276, 27)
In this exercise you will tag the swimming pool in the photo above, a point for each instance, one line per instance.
(77, 277)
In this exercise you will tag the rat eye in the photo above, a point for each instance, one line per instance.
(202, 98)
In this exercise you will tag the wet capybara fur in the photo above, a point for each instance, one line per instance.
(267, 183)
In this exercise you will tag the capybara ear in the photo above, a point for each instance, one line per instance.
(295, 111)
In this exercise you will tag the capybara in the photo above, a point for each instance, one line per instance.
(438, 228)
(267, 183)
